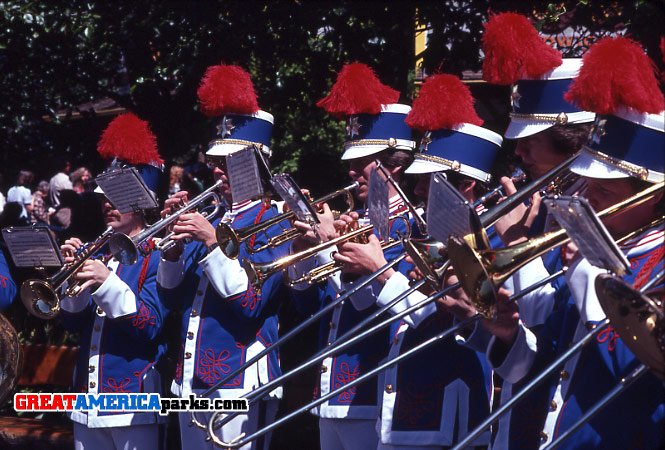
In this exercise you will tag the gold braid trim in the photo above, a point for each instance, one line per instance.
(392, 142)
(560, 119)
(454, 165)
(634, 170)
(235, 141)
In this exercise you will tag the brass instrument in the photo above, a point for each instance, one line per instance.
(126, 249)
(482, 272)
(517, 176)
(259, 272)
(230, 240)
(41, 297)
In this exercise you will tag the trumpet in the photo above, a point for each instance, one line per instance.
(41, 297)
(230, 240)
(126, 249)
(259, 272)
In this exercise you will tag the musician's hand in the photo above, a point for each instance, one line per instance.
(456, 301)
(195, 226)
(570, 254)
(69, 249)
(326, 230)
(363, 259)
(347, 222)
(93, 273)
(506, 325)
(174, 203)
(513, 227)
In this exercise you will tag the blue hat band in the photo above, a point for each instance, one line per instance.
(239, 128)
(382, 127)
(541, 97)
(629, 146)
(150, 175)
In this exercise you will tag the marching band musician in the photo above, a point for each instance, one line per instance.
(622, 157)
(225, 321)
(118, 311)
(7, 285)
(547, 130)
(375, 130)
(433, 408)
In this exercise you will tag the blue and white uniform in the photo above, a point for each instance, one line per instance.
(226, 322)
(588, 376)
(7, 285)
(120, 325)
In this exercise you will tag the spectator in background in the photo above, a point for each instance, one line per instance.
(80, 180)
(60, 181)
(175, 179)
(2, 197)
(20, 193)
(40, 203)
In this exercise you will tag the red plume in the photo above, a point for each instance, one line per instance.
(444, 102)
(226, 89)
(662, 55)
(514, 50)
(357, 91)
(615, 72)
(130, 139)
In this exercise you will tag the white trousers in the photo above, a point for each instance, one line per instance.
(260, 414)
(134, 437)
(348, 434)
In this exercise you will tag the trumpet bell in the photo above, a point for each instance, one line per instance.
(638, 318)
(426, 253)
(123, 249)
(228, 240)
(40, 299)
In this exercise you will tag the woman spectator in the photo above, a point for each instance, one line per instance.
(80, 178)
(20, 193)
(40, 204)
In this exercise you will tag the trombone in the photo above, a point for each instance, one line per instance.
(230, 240)
(127, 249)
(485, 270)
(41, 297)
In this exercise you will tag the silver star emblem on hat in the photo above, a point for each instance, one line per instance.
(426, 140)
(225, 127)
(515, 97)
(353, 127)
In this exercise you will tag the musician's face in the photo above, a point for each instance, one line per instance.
(538, 154)
(359, 170)
(128, 223)
(603, 193)
(219, 173)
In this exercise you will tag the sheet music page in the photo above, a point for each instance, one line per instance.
(294, 198)
(448, 212)
(32, 247)
(243, 172)
(126, 190)
(378, 200)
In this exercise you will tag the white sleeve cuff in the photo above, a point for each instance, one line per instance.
(520, 357)
(478, 340)
(76, 304)
(115, 298)
(536, 306)
(226, 275)
(171, 273)
(581, 279)
(394, 287)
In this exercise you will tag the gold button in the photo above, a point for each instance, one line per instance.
(97, 328)
(100, 311)
(543, 435)
(93, 348)
(395, 340)
(93, 384)
(199, 292)
(324, 369)
(332, 325)
(389, 388)
(564, 375)
(190, 335)
(553, 405)
(92, 368)
(193, 313)
(188, 355)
